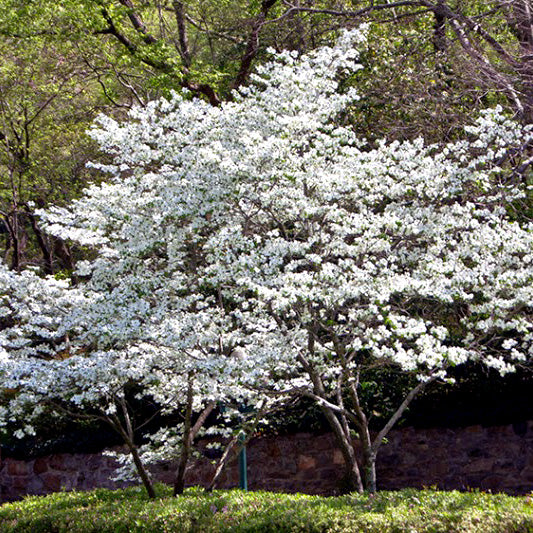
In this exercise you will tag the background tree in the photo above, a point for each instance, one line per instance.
(47, 102)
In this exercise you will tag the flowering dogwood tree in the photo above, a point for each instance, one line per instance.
(265, 225)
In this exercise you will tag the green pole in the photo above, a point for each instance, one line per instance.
(243, 474)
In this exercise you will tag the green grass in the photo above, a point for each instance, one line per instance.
(236, 511)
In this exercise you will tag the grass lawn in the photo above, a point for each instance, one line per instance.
(130, 511)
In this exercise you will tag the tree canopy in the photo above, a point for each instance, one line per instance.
(260, 249)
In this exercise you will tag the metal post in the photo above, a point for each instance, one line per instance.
(243, 474)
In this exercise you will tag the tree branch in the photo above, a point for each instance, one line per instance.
(398, 413)
(252, 46)
(182, 33)
(138, 23)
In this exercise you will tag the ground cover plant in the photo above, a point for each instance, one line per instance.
(130, 510)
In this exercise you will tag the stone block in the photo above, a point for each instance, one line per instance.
(493, 482)
(35, 486)
(57, 461)
(484, 464)
(304, 437)
(437, 469)
(19, 483)
(282, 474)
(272, 450)
(478, 452)
(305, 462)
(53, 482)
(338, 459)
(323, 443)
(289, 464)
(520, 462)
(503, 465)
(527, 475)
(17, 468)
(329, 474)
(409, 458)
(168, 478)
(440, 452)
(40, 466)
(388, 459)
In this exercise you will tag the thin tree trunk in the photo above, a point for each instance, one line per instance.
(141, 470)
(352, 472)
(368, 453)
(129, 439)
(231, 444)
(182, 33)
(12, 226)
(369, 470)
(370, 449)
(344, 440)
(62, 251)
(252, 46)
(41, 241)
(439, 30)
(179, 481)
(189, 433)
(222, 463)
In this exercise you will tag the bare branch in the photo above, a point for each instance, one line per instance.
(399, 412)
(182, 33)
(215, 33)
(253, 43)
(200, 421)
(346, 14)
(486, 66)
(138, 23)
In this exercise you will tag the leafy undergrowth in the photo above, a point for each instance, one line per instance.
(404, 511)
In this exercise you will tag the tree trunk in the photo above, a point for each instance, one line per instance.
(11, 222)
(439, 31)
(62, 251)
(369, 471)
(179, 480)
(127, 433)
(353, 475)
(222, 463)
(341, 431)
(141, 470)
(352, 478)
(48, 266)
(190, 432)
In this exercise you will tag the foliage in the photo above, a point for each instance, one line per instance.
(47, 100)
(129, 510)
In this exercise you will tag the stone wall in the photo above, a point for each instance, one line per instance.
(493, 458)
